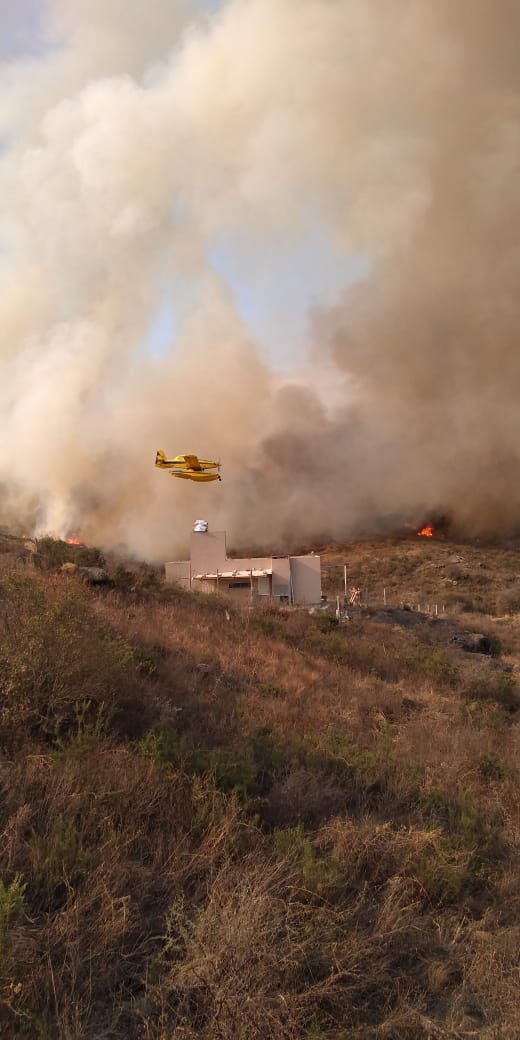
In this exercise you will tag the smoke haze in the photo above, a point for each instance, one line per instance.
(140, 140)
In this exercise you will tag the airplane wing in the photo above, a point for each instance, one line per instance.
(192, 461)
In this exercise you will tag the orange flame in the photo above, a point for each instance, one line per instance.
(426, 532)
(73, 540)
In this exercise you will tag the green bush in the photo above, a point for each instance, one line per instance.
(294, 843)
(431, 662)
(54, 657)
(462, 821)
(325, 623)
(87, 725)
(449, 876)
(492, 684)
(267, 624)
(60, 858)
(12, 902)
(231, 771)
(122, 578)
(492, 767)
(58, 552)
(319, 873)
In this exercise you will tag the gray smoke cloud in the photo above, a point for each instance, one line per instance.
(139, 141)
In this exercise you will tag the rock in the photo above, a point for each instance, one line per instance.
(94, 575)
(473, 642)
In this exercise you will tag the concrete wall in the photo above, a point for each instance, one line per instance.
(306, 579)
(296, 576)
(264, 585)
(205, 586)
(179, 572)
(282, 576)
(240, 591)
(208, 553)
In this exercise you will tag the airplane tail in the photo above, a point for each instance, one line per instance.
(160, 458)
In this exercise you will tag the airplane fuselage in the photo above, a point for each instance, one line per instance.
(189, 467)
(193, 474)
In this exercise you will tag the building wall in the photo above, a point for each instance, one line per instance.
(297, 577)
(205, 586)
(179, 572)
(237, 590)
(264, 585)
(208, 553)
(306, 579)
(282, 576)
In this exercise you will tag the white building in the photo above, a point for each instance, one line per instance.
(288, 579)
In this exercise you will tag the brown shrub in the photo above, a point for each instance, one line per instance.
(313, 835)
(57, 664)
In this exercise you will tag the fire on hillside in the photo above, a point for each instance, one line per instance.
(436, 526)
(426, 531)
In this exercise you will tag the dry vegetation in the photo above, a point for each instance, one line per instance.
(253, 825)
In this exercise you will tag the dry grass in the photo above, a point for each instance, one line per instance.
(261, 827)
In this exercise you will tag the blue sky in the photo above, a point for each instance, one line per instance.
(276, 294)
(20, 27)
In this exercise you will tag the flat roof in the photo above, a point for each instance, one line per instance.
(234, 574)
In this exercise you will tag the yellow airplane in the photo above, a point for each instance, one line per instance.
(189, 467)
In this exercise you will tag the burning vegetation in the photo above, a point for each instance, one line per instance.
(439, 525)
(73, 539)
(412, 300)
(426, 531)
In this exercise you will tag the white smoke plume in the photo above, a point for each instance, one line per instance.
(144, 136)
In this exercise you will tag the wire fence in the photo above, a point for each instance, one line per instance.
(347, 593)
(357, 596)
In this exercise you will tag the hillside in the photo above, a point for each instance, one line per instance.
(260, 824)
